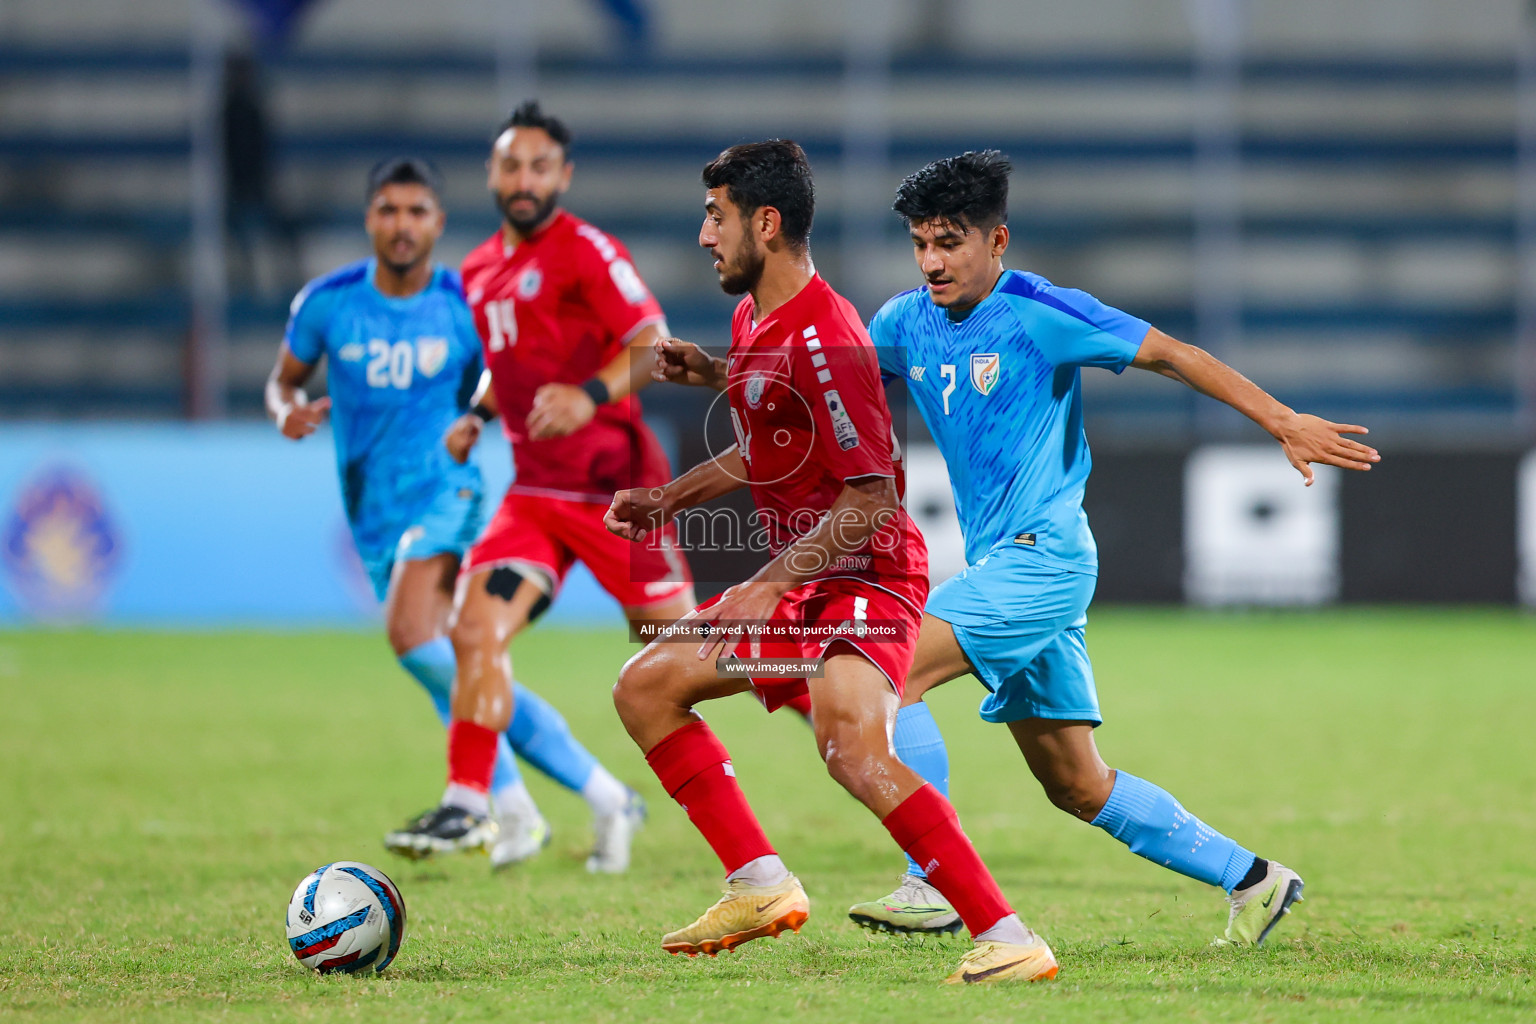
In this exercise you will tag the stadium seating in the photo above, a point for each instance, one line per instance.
(1378, 203)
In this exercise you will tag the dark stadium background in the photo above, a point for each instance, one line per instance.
(1338, 198)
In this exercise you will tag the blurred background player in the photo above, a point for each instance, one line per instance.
(402, 356)
(560, 309)
(846, 582)
(993, 358)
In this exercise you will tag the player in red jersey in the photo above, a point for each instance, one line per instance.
(846, 582)
(567, 327)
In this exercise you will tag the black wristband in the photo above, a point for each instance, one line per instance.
(482, 413)
(597, 391)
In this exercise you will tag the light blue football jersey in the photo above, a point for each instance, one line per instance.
(1001, 395)
(400, 371)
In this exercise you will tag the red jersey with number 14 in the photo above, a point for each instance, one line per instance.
(810, 414)
(556, 309)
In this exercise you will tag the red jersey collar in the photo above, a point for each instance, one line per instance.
(814, 285)
(560, 217)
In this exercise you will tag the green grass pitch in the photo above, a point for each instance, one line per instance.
(162, 794)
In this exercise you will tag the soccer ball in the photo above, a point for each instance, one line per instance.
(346, 917)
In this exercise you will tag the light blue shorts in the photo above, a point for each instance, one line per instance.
(1021, 625)
(449, 524)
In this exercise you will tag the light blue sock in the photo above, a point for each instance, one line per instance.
(541, 737)
(920, 746)
(1153, 824)
(431, 665)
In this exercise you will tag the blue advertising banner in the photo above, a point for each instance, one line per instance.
(173, 525)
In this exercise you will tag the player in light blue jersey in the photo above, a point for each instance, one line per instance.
(992, 358)
(403, 357)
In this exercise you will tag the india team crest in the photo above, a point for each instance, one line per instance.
(528, 285)
(431, 355)
(986, 369)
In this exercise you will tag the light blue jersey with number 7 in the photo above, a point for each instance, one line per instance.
(1001, 395)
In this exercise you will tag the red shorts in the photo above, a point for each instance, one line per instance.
(873, 621)
(552, 533)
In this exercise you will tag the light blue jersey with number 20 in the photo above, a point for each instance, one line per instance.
(400, 372)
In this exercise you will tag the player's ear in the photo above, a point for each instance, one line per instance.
(768, 223)
(999, 239)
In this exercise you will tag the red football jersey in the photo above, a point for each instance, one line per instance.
(555, 309)
(809, 412)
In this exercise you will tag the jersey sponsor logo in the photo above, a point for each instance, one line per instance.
(843, 430)
(431, 355)
(529, 283)
(352, 352)
(756, 385)
(916, 373)
(986, 369)
(60, 545)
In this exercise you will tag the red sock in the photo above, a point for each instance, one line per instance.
(695, 769)
(925, 825)
(801, 704)
(471, 754)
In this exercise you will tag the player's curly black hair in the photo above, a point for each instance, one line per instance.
(404, 170)
(969, 190)
(772, 173)
(530, 115)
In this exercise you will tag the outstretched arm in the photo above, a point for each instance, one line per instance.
(1306, 439)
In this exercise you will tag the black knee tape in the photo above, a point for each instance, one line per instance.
(503, 583)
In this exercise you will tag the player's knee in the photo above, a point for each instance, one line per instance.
(472, 635)
(405, 637)
(1080, 794)
(639, 684)
(853, 758)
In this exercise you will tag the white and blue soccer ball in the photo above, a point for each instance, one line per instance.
(346, 917)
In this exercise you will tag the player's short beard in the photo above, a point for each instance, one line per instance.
(541, 211)
(740, 277)
(402, 269)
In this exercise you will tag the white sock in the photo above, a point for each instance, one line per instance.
(516, 801)
(1008, 929)
(604, 793)
(467, 799)
(769, 870)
